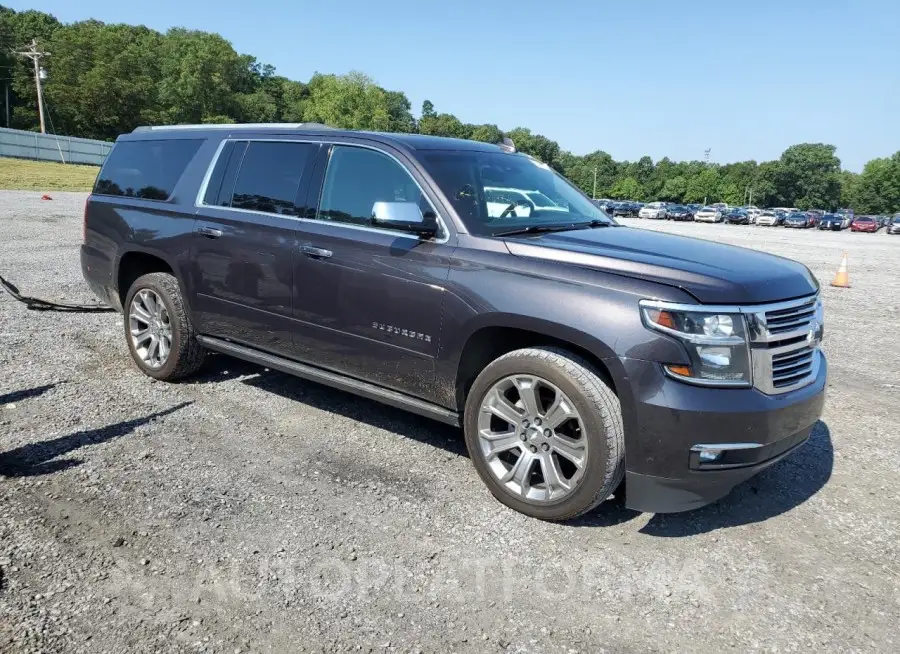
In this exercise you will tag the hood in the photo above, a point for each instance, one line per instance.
(711, 272)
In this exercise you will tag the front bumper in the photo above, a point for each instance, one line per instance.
(668, 418)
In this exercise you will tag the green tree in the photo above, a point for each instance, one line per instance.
(351, 101)
(849, 188)
(703, 187)
(536, 145)
(674, 189)
(877, 189)
(627, 188)
(810, 176)
(428, 109)
(765, 184)
(485, 133)
(443, 125)
(103, 79)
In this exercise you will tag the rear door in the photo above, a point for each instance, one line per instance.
(368, 300)
(245, 241)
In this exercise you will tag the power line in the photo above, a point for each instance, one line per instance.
(35, 55)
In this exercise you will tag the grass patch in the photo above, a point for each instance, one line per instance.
(26, 175)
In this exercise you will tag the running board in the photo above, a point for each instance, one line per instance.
(335, 380)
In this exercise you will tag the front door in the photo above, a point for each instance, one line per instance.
(244, 243)
(368, 300)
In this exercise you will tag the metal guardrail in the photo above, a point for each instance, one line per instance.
(49, 147)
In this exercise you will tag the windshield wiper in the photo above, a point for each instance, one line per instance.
(538, 229)
(597, 223)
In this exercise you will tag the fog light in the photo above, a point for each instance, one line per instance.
(710, 455)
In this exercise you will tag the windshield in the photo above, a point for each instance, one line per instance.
(531, 193)
(540, 199)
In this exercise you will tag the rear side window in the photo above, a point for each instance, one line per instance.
(146, 169)
(269, 176)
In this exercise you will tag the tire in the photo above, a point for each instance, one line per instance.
(597, 408)
(185, 354)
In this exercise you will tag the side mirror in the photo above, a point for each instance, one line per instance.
(405, 217)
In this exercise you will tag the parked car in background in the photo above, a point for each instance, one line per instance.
(813, 218)
(883, 220)
(654, 210)
(602, 203)
(846, 219)
(622, 209)
(679, 212)
(737, 216)
(831, 221)
(708, 215)
(753, 213)
(694, 207)
(770, 219)
(721, 206)
(864, 224)
(894, 226)
(797, 219)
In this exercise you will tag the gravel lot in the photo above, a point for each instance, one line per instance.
(249, 511)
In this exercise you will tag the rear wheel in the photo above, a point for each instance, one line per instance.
(545, 433)
(158, 329)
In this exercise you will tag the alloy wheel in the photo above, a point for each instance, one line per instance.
(532, 438)
(150, 328)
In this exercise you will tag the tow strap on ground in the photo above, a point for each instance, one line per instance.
(36, 304)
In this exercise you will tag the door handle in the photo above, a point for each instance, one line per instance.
(209, 232)
(316, 253)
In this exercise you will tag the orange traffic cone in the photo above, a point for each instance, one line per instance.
(842, 279)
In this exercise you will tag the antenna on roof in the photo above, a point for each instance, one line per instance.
(507, 144)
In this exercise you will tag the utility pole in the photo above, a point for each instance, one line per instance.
(595, 183)
(35, 55)
(7, 103)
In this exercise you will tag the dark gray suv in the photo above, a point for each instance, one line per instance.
(575, 353)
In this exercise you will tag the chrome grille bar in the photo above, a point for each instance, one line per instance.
(784, 340)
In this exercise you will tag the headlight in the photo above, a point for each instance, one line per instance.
(716, 342)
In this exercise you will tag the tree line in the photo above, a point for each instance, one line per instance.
(103, 80)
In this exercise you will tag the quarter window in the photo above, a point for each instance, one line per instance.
(357, 178)
(146, 169)
(269, 176)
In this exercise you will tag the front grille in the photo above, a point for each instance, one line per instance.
(791, 367)
(789, 319)
(784, 342)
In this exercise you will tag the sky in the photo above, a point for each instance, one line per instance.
(744, 78)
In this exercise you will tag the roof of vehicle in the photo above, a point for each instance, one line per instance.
(412, 141)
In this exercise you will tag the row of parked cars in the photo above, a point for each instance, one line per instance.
(776, 217)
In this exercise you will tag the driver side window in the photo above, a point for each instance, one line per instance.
(357, 178)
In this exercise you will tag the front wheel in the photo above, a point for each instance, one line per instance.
(545, 433)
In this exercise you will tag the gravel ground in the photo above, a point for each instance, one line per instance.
(246, 510)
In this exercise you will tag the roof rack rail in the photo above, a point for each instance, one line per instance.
(319, 126)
